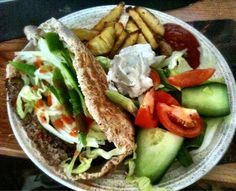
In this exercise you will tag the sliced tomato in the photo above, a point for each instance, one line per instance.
(163, 97)
(180, 121)
(155, 78)
(191, 78)
(146, 115)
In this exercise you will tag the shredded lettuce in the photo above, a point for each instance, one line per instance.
(86, 158)
(27, 98)
(143, 183)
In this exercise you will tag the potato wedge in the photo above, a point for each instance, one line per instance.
(141, 39)
(131, 39)
(119, 29)
(144, 28)
(102, 43)
(131, 26)
(151, 20)
(112, 16)
(165, 48)
(85, 34)
(120, 40)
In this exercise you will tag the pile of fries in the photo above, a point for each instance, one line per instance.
(109, 35)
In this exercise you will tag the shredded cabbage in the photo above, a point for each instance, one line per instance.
(86, 158)
(27, 98)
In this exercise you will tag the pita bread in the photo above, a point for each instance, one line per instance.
(113, 121)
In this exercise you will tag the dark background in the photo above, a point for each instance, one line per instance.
(14, 15)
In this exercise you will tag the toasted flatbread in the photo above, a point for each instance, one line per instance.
(113, 121)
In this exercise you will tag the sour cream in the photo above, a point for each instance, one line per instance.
(130, 70)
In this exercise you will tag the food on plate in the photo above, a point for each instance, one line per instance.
(152, 21)
(208, 99)
(61, 96)
(131, 39)
(157, 148)
(120, 40)
(143, 27)
(85, 34)
(141, 39)
(149, 80)
(131, 26)
(180, 39)
(112, 16)
(103, 43)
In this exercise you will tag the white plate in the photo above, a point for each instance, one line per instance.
(177, 176)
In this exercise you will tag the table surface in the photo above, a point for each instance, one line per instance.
(201, 10)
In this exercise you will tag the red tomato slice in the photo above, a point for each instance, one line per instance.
(155, 78)
(180, 121)
(191, 78)
(146, 117)
(163, 97)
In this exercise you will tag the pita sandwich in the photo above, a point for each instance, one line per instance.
(57, 89)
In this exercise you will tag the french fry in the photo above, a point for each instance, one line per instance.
(145, 30)
(118, 44)
(151, 20)
(85, 34)
(112, 16)
(131, 26)
(119, 29)
(141, 39)
(102, 43)
(131, 39)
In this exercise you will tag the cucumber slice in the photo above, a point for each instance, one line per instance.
(209, 99)
(156, 150)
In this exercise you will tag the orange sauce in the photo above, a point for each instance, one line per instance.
(67, 119)
(58, 124)
(74, 132)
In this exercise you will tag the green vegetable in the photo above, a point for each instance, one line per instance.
(195, 142)
(61, 89)
(54, 92)
(209, 99)
(184, 157)
(53, 41)
(156, 150)
(122, 101)
(104, 62)
(143, 183)
(24, 68)
(164, 80)
(88, 157)
(75, 102)
(69, 78)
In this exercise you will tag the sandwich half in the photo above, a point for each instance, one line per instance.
(57, 89)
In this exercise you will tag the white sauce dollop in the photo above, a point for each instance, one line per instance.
(130, 70)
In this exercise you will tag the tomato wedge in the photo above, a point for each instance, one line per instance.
(155, 78)
(163, 97)
(180, 121)
(146, 116)
(191, 78)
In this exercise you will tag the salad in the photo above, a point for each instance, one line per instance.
(154, 103)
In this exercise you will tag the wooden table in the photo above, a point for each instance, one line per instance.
(201, 10)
